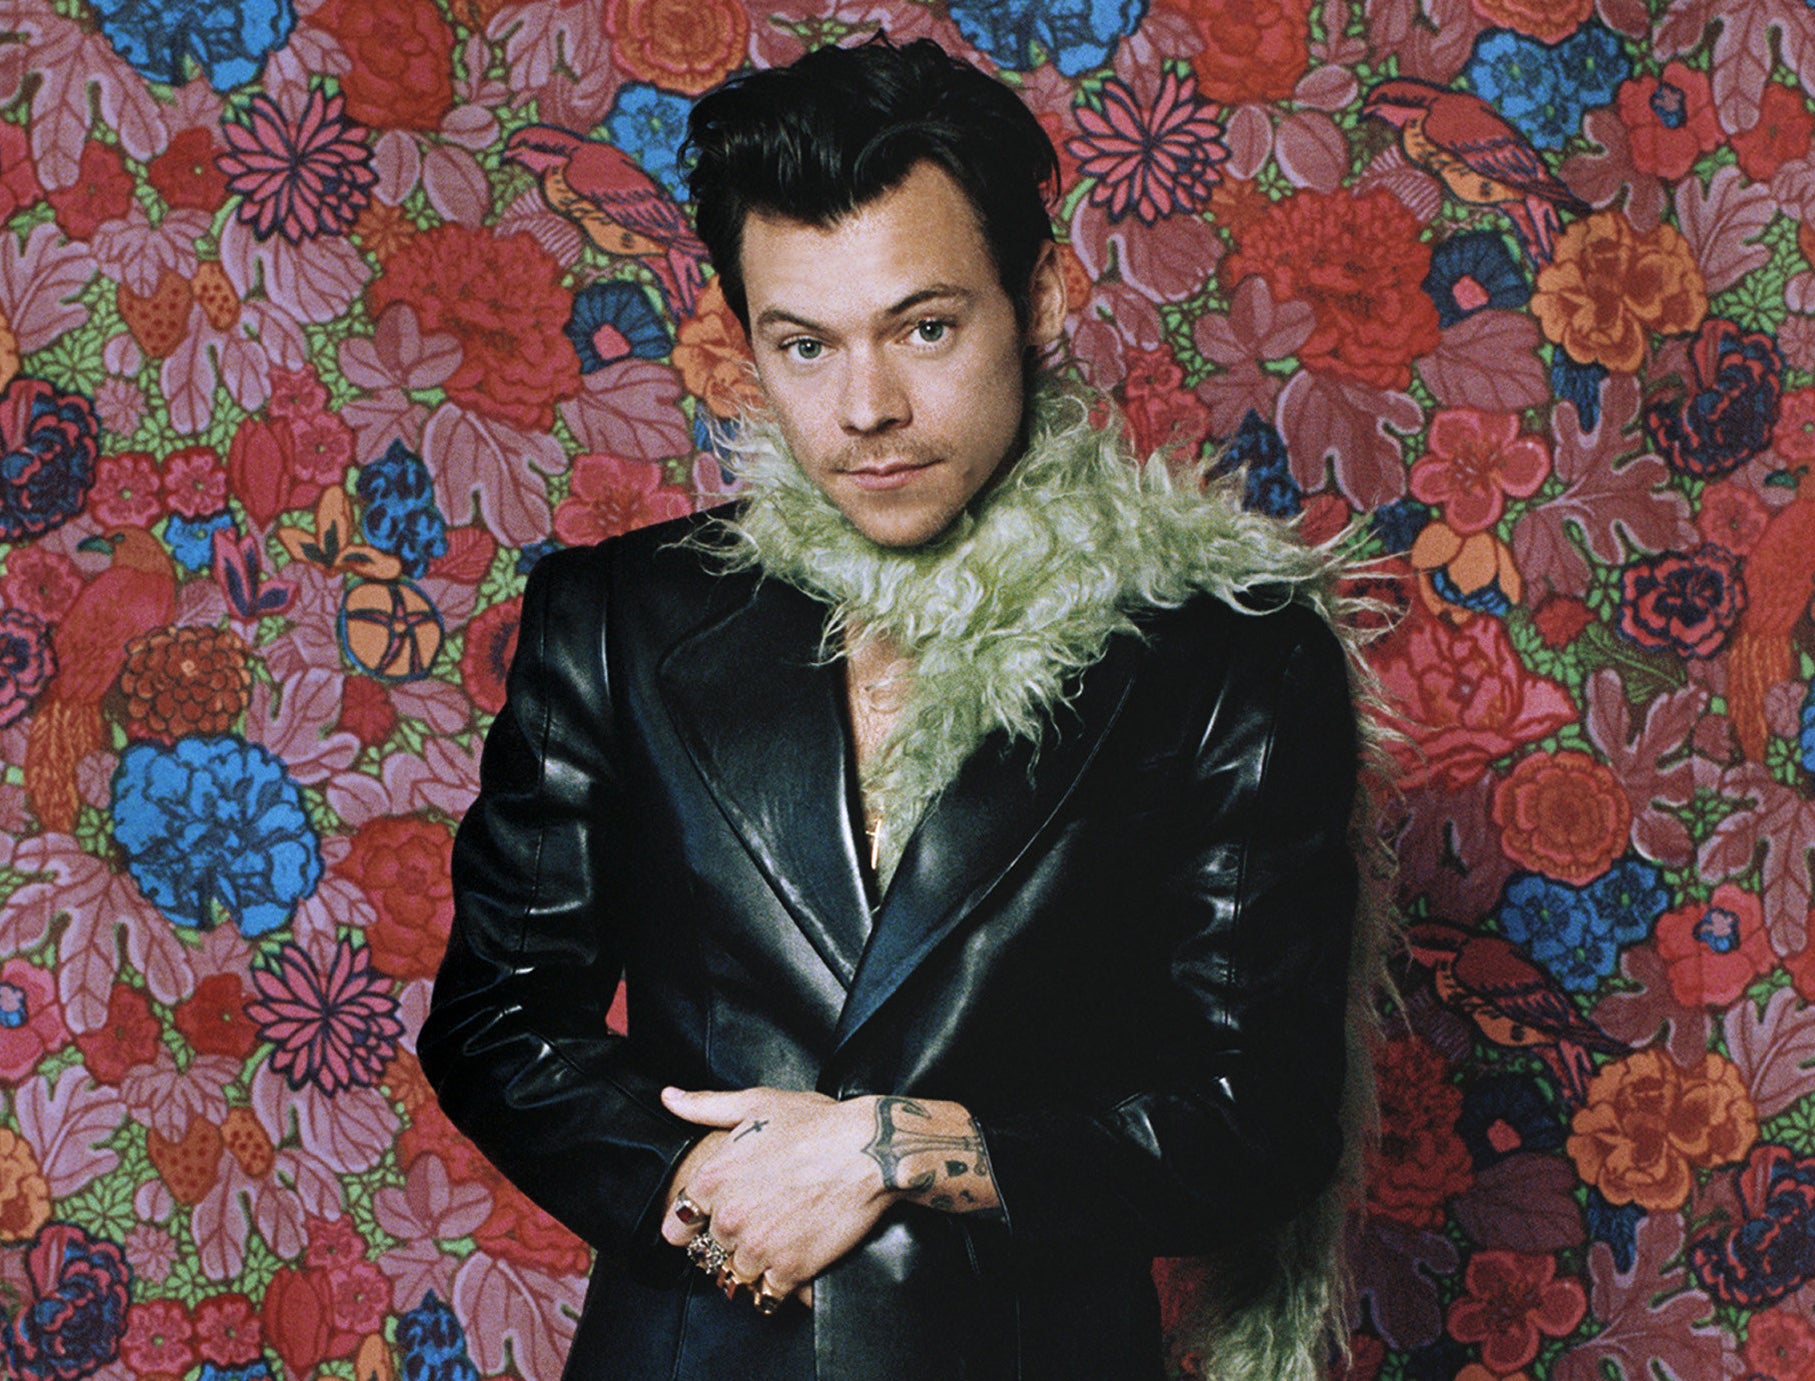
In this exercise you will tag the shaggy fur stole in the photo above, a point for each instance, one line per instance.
(996, 616)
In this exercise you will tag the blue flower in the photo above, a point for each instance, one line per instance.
(1580, 384)
(650, 125)
(1398, 524)
(528, 557)
(1770, 1254)
(1269, 487)
(1076, 35)
(1729, 414)
(1489, 599)
(1576, 932)
(1505, 1114)
(1544, 89)
(72, 1307)
(1617, 1226)
(1471, 272)
(400, 515)
(432, 1344)
(1805, 737)
(48, 443)
(614, 321)
(252, 1371)
(228, 38)
(191, 540)
(213, 819)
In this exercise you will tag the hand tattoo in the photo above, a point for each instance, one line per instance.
(756, 1125)
(948, 1157)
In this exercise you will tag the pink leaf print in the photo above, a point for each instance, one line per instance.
(1257, 327)
(537, 37)
(397, 159)
(37, 281)
(1609, 502)
(1336, 422)
(1783, 820)
(1642, 1012)
(348, 1131)
(477, 460)
(1326, 88)
(1600, 177)
(68, 1123)
(219, 1224)
(76, 67)
(445, 777)
(1670, 720)
(315, 281)
(1774, 1051)
(1722, 225)
(555, 233)
(631, 409)
(298, 730)
(1417, 190)
(1751, 31)
(532, 1312)
(1524, 1203)
(1488, 361)
(430, 1206)
(167, 1099)
(1250, 139)
(1311, 150)
(138, 253)
(445, 709)
(188, 378)
(456, 184)
(1653, 1316)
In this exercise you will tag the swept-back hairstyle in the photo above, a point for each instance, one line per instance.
(835, 130)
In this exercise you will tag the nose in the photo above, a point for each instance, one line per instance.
(874, 398)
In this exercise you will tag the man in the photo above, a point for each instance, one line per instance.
(965, 812)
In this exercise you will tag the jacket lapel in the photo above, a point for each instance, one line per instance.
(978, 828)
(759, 713)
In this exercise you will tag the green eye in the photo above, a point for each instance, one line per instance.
(805, 349)
(931, 332)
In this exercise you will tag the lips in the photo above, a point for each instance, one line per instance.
(887, 474)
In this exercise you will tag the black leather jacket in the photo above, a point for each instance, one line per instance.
(1125, 954)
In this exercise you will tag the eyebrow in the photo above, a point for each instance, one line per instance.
(935, 292)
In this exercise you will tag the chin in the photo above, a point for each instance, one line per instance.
(900, 531)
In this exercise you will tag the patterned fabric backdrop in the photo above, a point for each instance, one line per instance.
(307, 359)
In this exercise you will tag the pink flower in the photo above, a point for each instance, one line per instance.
(40, 581)
(297, 393)
(195, 481)
(336, 1029)
(159, 1338)
(1713, 950)
(1476, 460)
(298, 180)
(227, 1330)
(126, 490)
(27, 664)
(31, 1019)
(608, 496)
(1512, 1299)
(1794, 435)
(1732, 516)
(324, 447)
(1153, 162)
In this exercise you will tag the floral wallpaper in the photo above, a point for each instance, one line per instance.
(318, 328)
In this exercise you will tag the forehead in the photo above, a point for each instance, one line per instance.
(922, 233)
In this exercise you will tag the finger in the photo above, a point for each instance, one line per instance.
(804, 1293)
(708, 1108)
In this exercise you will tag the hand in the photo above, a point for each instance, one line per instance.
(784, 1177)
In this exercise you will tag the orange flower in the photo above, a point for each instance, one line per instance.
(1609, 285)
(24, 1194)
(1548, 21)
(688, 46)
(713, 355)
(1648, 1123)
(1563, 815)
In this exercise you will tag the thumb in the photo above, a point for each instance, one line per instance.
(708, 1108)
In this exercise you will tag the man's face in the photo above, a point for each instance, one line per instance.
(890, 352)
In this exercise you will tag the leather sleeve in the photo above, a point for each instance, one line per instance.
(516, 1044)
(1236, 1123)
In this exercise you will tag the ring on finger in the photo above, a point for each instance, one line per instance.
(708, 1253)
(767, 1298)
(689, 1211)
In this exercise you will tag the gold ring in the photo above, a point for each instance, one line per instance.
(767, 1299)
(688, 1212)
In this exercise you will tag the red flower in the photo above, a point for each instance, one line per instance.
(688, 46)
(128, 1037)
(19, 187)
(1253, 50)
(403, 60)
(1560, 619)
(401, 864)
(1465, 696)
(1359, 263)
(31, 1019)
(227, 1331)
(102, 192)
(1780, 1343)
(28, 662)
(366, 711)
(1162, 413)
(126, 490)
(195, 481)
(491, 642)
(1782, 135)
(1153, 162)
(1732, 515)
(1477, 459)
(608, 496)
(297, 393)
(1562, 814)
(214, 1019)
(40, 581)
(186, 175)
(1670, 120)
(1419, 1162)
(1794, 435)
(502, 299)
(324, 447)
(300, 179)
(1514, 1299)
(298, 1319)
(1713, 950)
(160, 1338)
(520, 1232)
(1688, 603)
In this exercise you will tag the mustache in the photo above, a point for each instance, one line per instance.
(873, 453)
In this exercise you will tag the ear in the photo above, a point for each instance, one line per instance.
(1046, 298)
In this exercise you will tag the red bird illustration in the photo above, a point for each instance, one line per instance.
(602, 190)
(136, 592)
(1780, 583)
(1515, 1003)
(1462, 141)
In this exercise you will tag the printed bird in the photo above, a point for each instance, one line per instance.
(135, 593)
(620, 207)
(1780, 584)
(1514, 1002)
(1463, 141)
